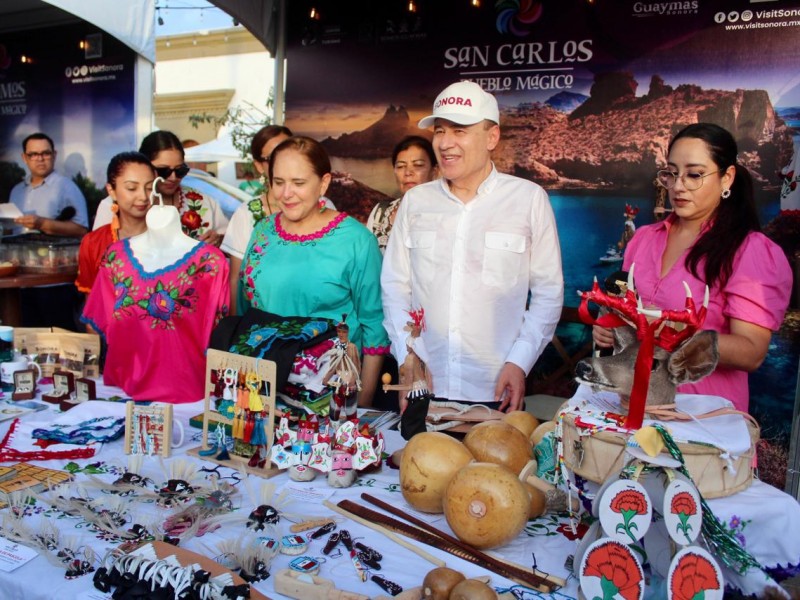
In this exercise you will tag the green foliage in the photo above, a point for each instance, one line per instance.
(243, 121)
(90, 191)
(10, 175)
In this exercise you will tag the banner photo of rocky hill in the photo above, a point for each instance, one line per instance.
(590, 93)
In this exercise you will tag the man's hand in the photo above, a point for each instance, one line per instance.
(212, 237)
(30, 221)
(603, 337)
(510, 388)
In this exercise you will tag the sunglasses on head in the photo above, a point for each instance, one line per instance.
(164, 172)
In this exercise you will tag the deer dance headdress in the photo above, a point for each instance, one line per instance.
(653, 328)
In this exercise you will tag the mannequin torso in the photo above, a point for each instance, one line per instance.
(164, 243)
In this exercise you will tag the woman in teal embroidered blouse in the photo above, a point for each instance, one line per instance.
(311, 261)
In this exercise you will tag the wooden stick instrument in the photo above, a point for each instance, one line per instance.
(384, 531)
(463, 551)
(557, 581)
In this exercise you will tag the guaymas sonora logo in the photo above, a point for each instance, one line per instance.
(517, 16)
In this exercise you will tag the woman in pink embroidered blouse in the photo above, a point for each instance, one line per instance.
(712, 238)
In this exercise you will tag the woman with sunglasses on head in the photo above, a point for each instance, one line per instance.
(130, 179)
(201, 217)
(712, 238)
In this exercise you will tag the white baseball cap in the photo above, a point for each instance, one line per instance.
(463, 103)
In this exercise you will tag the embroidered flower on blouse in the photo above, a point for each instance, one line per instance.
(160, 305)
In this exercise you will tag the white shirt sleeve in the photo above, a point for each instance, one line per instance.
(104, 214)
(238, 233)
(546, 283)
(396, 285)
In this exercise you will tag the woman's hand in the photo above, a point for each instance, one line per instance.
(602, 336)
(212, 237)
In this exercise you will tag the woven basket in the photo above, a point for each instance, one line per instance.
(598, 457)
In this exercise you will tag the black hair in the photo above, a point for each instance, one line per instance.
(414, 141)
(158, 141)
(37, 136)
(735, 217)
(264, 135)
(118, 162)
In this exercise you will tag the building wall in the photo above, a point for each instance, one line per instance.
(209, 73)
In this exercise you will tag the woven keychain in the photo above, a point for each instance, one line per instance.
(253, 383)
(230, 383)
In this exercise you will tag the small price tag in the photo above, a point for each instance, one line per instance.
(13, 555)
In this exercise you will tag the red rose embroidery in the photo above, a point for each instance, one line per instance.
(191, 195)
(693, 575)
(565, 530)
(191, 220)
(619, 572)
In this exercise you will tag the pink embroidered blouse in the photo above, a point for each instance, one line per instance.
(158, 324)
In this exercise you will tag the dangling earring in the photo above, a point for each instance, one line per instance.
(263, 179)
(321, 204)
(726, 194)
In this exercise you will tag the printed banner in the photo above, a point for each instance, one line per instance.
(74, 83)
(590, 94)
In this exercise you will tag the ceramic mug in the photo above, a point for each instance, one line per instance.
(21, 363)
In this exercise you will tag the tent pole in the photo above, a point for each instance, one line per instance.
(280, 64)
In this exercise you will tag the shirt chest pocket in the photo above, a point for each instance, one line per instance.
(421, 246)
(502, 258)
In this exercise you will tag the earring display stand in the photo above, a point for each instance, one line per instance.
(217, 360)
(148, 429)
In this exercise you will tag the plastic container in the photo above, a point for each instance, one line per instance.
(39, 253)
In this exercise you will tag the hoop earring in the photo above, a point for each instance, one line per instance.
(726, 194)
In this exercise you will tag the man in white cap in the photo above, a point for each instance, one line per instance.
(478, 251)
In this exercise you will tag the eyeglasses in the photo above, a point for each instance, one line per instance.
(45, 154)
(691, 181)
(180, 171)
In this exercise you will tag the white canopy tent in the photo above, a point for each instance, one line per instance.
(218, 150)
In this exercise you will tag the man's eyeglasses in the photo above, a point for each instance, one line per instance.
(180, 171)
(45, 154)
(691, 181)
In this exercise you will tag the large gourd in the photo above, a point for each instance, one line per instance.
(429, 462)
(486, 505)
(500, 443)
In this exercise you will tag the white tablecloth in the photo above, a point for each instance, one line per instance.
(543, 540)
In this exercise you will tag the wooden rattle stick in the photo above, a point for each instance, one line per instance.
(384, 531)
(306, 525)
(310, 587)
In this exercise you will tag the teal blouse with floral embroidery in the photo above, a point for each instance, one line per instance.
(331, 273)
(158, 324)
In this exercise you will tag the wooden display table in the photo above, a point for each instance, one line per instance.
(10, 305)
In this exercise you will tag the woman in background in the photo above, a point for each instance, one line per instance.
(712, 238)
(201, 217)
(414, 162)
(129, 182)
(311, 261)
(237, 236)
